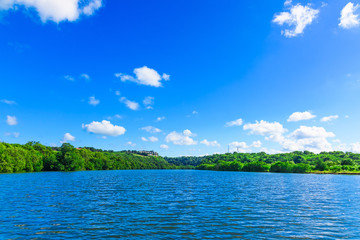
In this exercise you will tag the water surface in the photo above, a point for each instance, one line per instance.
(169, 204)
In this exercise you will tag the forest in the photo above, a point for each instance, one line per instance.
(294, 162)
(35, 157)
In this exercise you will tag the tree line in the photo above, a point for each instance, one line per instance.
(35, 157)
(294, 162)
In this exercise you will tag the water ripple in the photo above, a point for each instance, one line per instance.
(178, 205)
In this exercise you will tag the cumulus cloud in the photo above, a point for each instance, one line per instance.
(104, 128)
(68, 138)
(237, 122)
(164, 146)
(144, 76)
(312, 139)
(348, 18)
(256, 144)
(55, 10)
(299, 116)
(210, 143)
(183, 138)
(130, 104)
(187, 132)
(298, 17)
(240, 147)
(93, 101)
(329, 118)
(151, 129)
(272, 131)
(311, 132)
(9, 102)
(149, 102)
(355, 147)
(11, 120)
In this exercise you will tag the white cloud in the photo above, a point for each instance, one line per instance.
(9, 102)
(329, 118)
(166, 77)
(180, 138)
(144, 76)
(158, 119)
(240, 147)
(150, 139)
(149, 102)
(288, 3)
(312, 139)
(194, 112)
(68, 138)
(272, 131)
(210, 143)
(355, 147)
(187, 132)
(11, 120)
(92, 7)
(237, 122)
(55, 10)
(299, 16)
(12, 134)
(163, 146)
(311, 132)
(348, 18)
(130, 104)
(104, 128)
(153, 139)
(151, 129)
(116, 116)
(347, 116)
(69, 78)
(93, 101)
(131, 144)
(117, 93)
(85, 76)
(256, 144)
(299, 116)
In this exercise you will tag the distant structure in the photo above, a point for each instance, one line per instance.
(143, 152)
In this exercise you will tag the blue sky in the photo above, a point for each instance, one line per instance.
(181, 77)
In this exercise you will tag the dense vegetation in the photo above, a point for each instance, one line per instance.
(295, 162)
(35, 157)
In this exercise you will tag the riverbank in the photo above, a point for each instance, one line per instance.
(35, 157)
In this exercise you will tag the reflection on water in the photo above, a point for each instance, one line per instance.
(155, 204)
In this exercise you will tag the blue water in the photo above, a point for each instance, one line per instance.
(165, 204)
